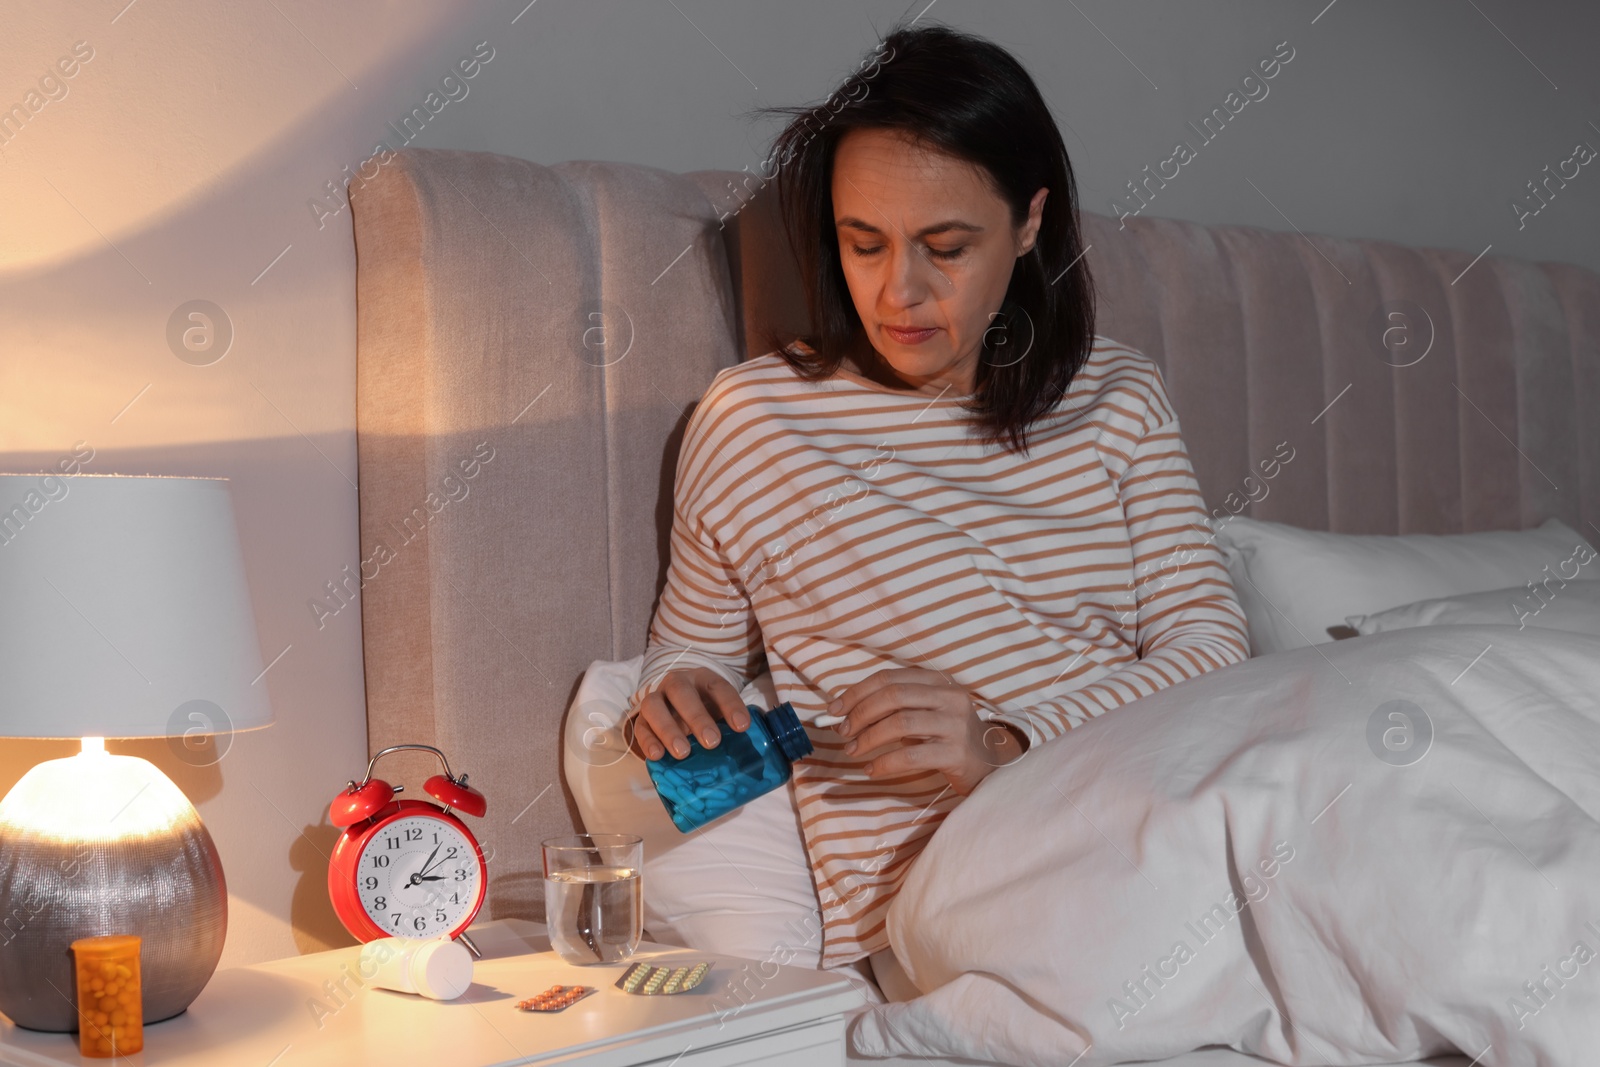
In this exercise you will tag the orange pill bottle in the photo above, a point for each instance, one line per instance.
(110, 1002)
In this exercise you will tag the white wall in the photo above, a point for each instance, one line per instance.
(186, 153)
(1415, 122)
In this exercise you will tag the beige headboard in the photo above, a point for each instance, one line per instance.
(531, 339)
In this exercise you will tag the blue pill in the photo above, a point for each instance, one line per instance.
(709, 782)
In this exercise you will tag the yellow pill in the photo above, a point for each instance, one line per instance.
(109, 970)
(123, 971)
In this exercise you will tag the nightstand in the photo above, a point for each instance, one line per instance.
(316, 1011)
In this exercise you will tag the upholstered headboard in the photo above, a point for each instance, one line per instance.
(532, 338)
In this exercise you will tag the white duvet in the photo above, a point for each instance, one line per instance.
(1363, 852)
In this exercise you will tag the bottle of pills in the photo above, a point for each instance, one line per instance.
(110, 1001)
(710, 782)
(439, 969)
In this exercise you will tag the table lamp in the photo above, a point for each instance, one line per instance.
(124, 613)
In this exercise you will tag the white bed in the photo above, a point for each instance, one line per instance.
(1336, 830)
(1358, 852)
(1343, 865)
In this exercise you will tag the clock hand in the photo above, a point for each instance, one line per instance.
(416, 876)
(428, 877)
(428, 863)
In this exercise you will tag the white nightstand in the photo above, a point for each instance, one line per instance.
(315, 1010)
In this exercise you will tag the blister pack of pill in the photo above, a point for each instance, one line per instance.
(556, 998)
(647, 980)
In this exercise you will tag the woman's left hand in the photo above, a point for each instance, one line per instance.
(909, 720)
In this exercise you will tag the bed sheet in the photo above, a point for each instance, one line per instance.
(1204, 1058)
(1211, 1057)
(873, 979)
(1410, 807)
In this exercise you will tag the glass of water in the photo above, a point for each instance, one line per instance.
(593, 896)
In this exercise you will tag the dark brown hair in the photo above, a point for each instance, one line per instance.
(969, 98)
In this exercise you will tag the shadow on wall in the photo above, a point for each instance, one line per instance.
(194, 764)
(316, 927)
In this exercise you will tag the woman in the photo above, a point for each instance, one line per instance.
(956, 521)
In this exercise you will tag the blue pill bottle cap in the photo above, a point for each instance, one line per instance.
(788, 732)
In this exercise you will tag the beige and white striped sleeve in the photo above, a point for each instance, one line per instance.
(704, 617)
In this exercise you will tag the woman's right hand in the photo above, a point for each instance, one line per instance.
(685, 703)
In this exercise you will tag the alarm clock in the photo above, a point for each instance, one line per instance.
(407, 868)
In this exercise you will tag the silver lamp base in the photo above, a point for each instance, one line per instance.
(164, 884)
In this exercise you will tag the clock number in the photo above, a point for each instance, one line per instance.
(391, 842)
(438, 915)
(369, 882)
(419, 923)
(380, 861)
(451, 854)
(461, 874)
(455, 898)
(436, 837)
(381, 903)
(395, 915)
(413, 833)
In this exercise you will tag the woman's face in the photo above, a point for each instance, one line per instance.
(927, 246)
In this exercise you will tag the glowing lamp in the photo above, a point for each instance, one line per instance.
(124, 613)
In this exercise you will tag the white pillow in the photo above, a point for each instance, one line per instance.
(741, 885)
(1555, 605)
(1295, 584)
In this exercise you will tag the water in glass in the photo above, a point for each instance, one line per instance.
(595, 914)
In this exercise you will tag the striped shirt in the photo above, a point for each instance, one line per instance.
(843, 527)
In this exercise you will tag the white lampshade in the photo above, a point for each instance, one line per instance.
(124, 610)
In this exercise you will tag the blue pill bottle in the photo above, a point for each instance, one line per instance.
(710, 782)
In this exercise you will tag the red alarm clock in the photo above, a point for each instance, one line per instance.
(407, 868)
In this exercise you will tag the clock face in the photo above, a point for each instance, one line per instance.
(419, 877)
